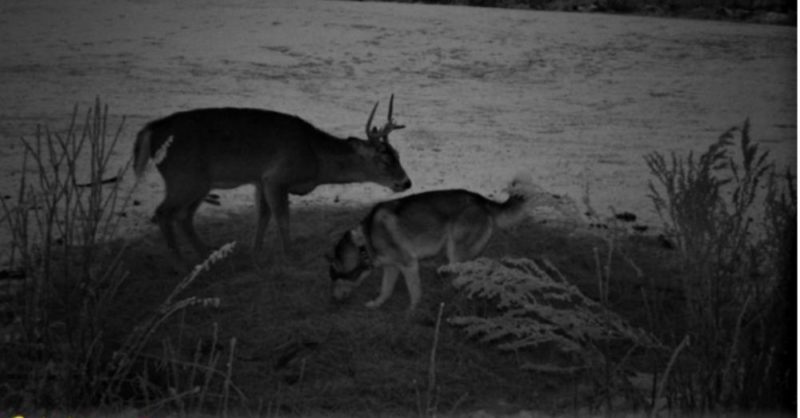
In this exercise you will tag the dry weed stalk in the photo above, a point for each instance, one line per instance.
(63, 225)
(432, 393)
(124, 359)
(539, 307)
(729, 276)
(549, 324)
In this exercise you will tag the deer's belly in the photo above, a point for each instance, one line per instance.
(302, 188)
(296, 189)
(232, 174)
(227, 184)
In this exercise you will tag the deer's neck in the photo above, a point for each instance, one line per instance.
(340, 162)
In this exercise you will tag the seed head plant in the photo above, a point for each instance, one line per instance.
(711, 207)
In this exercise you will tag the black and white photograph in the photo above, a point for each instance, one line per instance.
(437, 208)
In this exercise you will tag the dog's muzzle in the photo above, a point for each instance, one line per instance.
(342, 289)
(345, 282)
(348, 276)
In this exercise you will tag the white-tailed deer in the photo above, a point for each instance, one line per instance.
(220, 148)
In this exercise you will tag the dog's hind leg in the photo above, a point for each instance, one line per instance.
(467, 243)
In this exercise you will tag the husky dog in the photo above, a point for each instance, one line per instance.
(398, 233)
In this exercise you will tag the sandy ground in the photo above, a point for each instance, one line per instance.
(574, 98)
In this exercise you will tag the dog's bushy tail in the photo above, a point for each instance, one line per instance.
(521, 191)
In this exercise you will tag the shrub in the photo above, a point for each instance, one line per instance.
(731, 267)
(62, 226)
(66, 264)
(539, 308)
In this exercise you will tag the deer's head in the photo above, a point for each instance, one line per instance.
(383, 162)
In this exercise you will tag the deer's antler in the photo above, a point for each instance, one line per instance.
(373, 133)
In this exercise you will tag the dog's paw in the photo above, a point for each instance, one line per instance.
(373, 304)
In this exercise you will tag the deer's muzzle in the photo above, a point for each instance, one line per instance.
(402, 186)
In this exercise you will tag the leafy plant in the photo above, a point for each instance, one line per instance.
(539, 308)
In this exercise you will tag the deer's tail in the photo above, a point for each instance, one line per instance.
(141, 151)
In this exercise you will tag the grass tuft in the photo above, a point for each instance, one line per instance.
(733, 268)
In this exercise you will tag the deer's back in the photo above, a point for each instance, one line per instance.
(233, 145)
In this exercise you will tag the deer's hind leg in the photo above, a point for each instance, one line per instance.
(183, 197)
(163, 217)
(276, 198)
(186, 221)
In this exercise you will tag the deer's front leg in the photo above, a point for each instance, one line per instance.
(264, 214)
(277, 198)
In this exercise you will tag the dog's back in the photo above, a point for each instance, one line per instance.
(458, 222)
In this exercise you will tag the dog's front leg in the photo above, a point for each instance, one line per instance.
(411, 274)
(390, 274)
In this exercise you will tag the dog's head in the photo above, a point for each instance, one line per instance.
(349, 264)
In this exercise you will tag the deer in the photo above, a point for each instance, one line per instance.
(198, 150)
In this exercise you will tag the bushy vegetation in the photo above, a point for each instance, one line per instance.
(539, 307)
(732, 218)
(734, 221)
(566, 322)
(62, 348)
(62, 226)
(783, 11)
